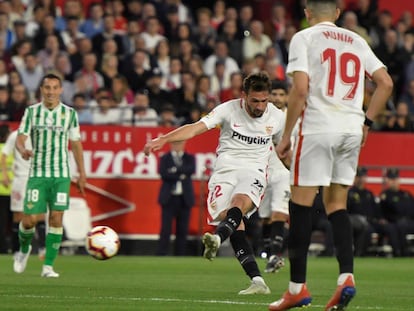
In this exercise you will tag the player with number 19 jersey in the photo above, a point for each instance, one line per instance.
(336, 61)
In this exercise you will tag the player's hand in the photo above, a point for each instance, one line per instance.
(27, 154)
(80, 183)
(283, 148)
(154, 145)
(6, 180)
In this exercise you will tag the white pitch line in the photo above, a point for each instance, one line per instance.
(159, 299)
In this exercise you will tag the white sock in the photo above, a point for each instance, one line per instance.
(343, 276)
(295, 288)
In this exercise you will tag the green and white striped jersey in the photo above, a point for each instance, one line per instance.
(50, 132)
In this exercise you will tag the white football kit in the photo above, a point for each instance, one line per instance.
(243, 152)
(21, 169)
(336, 61)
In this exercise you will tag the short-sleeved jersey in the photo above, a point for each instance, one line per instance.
(244, 141)
(21, 167)
(336, 61)
(50, 131)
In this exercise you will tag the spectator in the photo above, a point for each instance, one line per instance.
(19, 51)
(361, 208)
(118, 10)
(133, 31)
(204, 33)
(284, 43)
(121, 93)
(378, 30)
(105, 113)
(203, 91)
(5, 31)
(47, 56)
(235, 88)
(195, 66)
(83, 46)
(394, 57)
(398, 209)
(172, 81)
(230, 35)
(31, 73)
(140, 113)
(109, 69)
(185, 97)
(218, 15)
(275, 26)
(47, 28)
(19, 30)
(152, 34)
(171, 25)
(400, 121)
(81, 106)
(71, 34)
(161, 57)
(138, 71)
(92, 78)
(157, 96)
(34, 22)
(350, 21)
(366, 11)
(167, 116)
(134, 10)
(245, 17)
(408, 96)
(109, 32)
(71, 9)
(220, 53)
(219, 80)
(93, 25)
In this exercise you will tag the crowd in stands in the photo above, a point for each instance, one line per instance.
(166, 63)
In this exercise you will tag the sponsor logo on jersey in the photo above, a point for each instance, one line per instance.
(251, 140)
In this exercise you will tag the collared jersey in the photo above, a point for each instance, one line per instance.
(50, 131)
(244, 141)
(336, 61)
(21, 167)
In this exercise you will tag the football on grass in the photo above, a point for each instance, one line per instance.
(102, 242)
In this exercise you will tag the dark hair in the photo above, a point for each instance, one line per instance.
(278, 84)
(257, 82)
(51, 76)
(322, 1)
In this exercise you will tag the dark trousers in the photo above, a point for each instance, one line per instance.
(5, 223)
(177, 210)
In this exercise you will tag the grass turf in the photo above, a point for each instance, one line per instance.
(191, 283)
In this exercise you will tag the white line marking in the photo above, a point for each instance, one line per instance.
(159, 299)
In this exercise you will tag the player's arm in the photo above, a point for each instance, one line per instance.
(20, 147)
(4, 170)
(77, 151)
(182, 133)
(379, 98)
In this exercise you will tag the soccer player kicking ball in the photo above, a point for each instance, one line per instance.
(239, 176)
(51, 125)
(328, 66)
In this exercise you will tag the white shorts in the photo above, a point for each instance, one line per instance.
(18, 193)
(224, 184)
(277, 194)
(322, 159)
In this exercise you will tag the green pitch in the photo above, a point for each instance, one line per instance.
(189, 283)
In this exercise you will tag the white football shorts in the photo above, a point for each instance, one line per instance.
(277, 194)
(224, 184)
(322, 159)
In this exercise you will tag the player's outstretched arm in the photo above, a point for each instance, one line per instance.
(182, 133)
